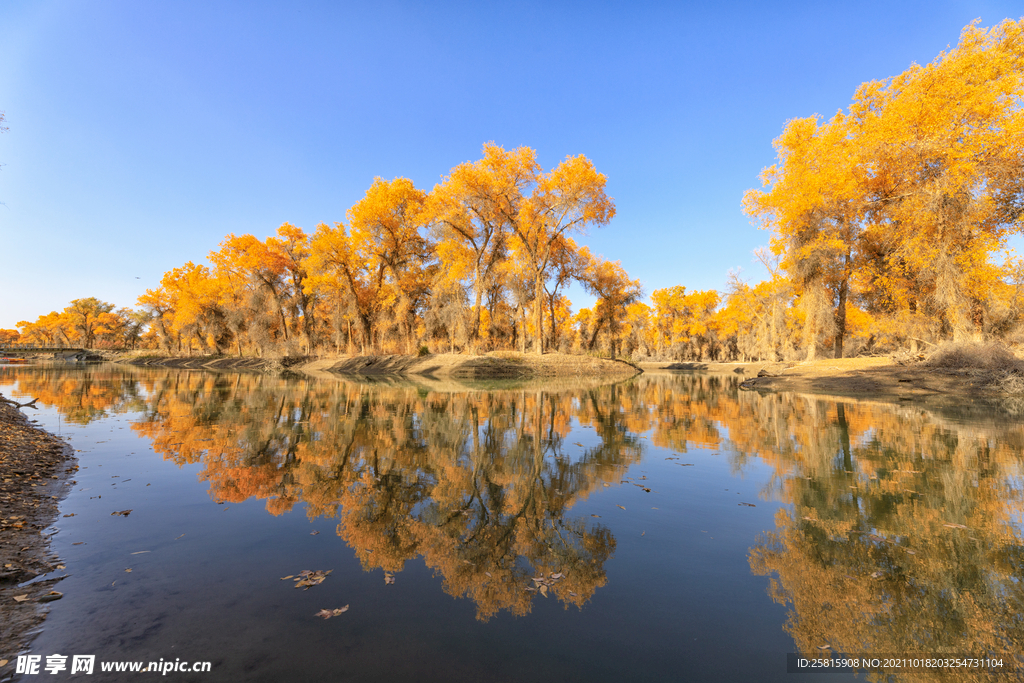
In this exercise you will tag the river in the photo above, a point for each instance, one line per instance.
(670, 527)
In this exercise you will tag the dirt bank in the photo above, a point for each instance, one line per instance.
(500, 365)
(34, 470)
(870, 377)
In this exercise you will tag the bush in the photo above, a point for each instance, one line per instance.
(424, 351)
(974, 355)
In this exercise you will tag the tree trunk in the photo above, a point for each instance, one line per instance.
(841, 320)
(538, 314)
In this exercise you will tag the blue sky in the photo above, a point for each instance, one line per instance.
(141, 133)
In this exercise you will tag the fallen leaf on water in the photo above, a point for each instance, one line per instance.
(51, 596)
(140, 552)
(488, 574)
(877, 575)
(79, 543)
(559, 575)
(544, 590)
(955, 526)
(749, 505)
(20, 598)
(313, 533)
(290, 576)
(3, 662)
(123, 513)
(389, 578)
(308, 578)
(684, 464)
(826, 646)
(607, 485)
(328, 613)
(71, 515)
(128, 571)
(595, 515)
(179, 537)
(910, 552)
(620, 506)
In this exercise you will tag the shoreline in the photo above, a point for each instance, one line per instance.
(35, 475)
(496, 365)
(864, 378)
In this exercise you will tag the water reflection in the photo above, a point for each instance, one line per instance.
(901, 532)
(904, 533)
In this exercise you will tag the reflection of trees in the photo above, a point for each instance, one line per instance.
(478, 483)
(904, 534)
(81, 393)
(905, 531)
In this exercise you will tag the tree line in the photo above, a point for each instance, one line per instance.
(889, 228)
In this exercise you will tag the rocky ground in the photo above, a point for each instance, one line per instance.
(35, 468)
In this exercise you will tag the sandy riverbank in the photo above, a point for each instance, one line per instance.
(979, 373)
(500, 365)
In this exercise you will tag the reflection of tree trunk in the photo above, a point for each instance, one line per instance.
(844, 436)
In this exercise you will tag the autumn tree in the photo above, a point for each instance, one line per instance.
(568, 199)
(385, 230)
(609, 282)
(473, 212)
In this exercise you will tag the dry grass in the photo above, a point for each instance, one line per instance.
(991, 356)
(992, 363)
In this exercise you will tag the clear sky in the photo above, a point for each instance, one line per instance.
(141, 133)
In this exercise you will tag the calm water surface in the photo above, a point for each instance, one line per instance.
(667, 528)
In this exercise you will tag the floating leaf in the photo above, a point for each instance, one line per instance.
(308, 578)
(313, 533)
(290, 576)
(544, 590)
(595, 515)
(20, 598)
(389, 578)
(123, 513)
(749, 505)
(955, 526)
(328, 613)
(620, 506)
(826, 646)
(140, 552)
(128, 571)
(51, 596)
